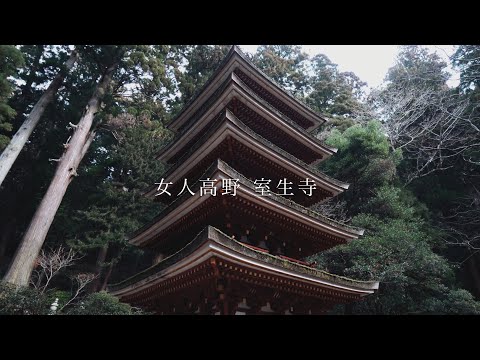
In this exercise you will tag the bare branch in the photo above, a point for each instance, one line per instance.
(81, 281)
(333, 209)
(462, 224)
(49, 264)
(432, 127)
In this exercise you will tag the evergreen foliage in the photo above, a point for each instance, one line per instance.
(10, 60)
(28, 301)
(413, 224)
(102, 303)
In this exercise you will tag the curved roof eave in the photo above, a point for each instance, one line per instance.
(235, 50)
(214, 235)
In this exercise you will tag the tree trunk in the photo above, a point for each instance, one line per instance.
(474, 271)
(24, 260)
(18, 141)
(102, 255)
(107, 277)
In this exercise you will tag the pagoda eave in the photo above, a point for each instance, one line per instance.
(236, 91)
(336, 232)
(232, 130)
(213, 254)
(236, 60)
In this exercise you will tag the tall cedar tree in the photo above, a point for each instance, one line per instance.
(84, 133)
(138, 62)
(16, 144)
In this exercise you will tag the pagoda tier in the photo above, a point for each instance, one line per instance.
(215, 274)
(299, 231)
(236, 62)
(257, 114)
(252, 155)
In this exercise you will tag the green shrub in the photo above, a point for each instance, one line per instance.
(22, 301)
(102, 303)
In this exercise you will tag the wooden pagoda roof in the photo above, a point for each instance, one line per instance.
(331, 231)
(236, 61)
(228, 127)
(233, 89)
(211, 246)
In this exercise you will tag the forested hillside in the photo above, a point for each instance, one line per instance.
(80, 125)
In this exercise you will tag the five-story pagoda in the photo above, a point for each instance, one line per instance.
(231, 243)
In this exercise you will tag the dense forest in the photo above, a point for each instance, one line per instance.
(79, 127)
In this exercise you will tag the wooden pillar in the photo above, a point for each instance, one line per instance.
(227, 300)
(225, 305)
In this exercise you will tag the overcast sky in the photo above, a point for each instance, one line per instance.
(369, 62)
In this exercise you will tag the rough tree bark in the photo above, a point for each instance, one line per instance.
(11, 152)
(29, 248)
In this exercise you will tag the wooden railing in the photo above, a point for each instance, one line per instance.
(280, 256)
